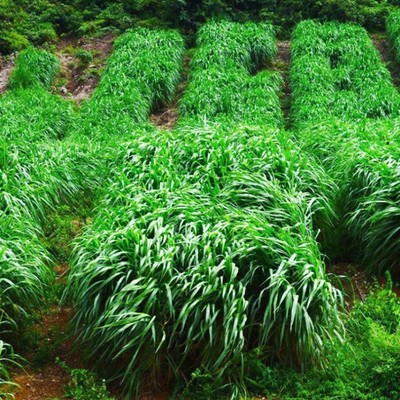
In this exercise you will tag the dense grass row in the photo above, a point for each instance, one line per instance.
(203, 246)
(362, 158)
(337, 73)
(37, 174)
(357, 151)
(393, 31)
(142, 73)
(221, 82)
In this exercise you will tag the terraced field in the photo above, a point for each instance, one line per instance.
(212, 240)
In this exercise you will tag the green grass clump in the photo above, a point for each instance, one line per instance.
(201, 250)
(221, 84)
(38, 172)
(32, 115)
(203, 246)
(342, 100)
(141, 75)
(34, 67)
(337, 73)
(362, 159)
(393, 31)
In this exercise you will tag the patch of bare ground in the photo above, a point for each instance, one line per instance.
(48, 381)
(355, 283)
(6, 67)
(282, 64)
(44, 384)
(166, 117)
(382, 44)
(82, 80)
(53, 341)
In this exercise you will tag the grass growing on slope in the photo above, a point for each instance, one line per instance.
(337, 73)
(34, 68)
(173, 275)
(221, 84)
(203, 247)
(141, 75)
(342, 123)
(393, 31)
(37, 174)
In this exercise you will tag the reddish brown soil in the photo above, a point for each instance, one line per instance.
(82, 80)
(355, 282)
(282, 64)
(382, 44)
(6, 67)
(43, 384)
(48, 381)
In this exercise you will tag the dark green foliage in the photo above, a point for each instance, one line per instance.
(393, 31)
(63, 225)
(284, 13)
(84, 56)
(363, 367)
(26, 22)
(41, 21)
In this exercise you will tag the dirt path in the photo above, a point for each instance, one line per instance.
(48, 380)
(82, 80)
(382, 44)
(42, 384)
(6, 68)
(282, 64)
(167, 117)
(42, 378)
(355, 282)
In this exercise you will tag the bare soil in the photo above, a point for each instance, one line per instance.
(165, 118)
(282, 64)
(48, 381)
(383, 46)
(43, 384)
(355, 282)
(6, 67)
(83, 80)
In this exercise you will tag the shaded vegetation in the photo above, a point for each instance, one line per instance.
(41, 22)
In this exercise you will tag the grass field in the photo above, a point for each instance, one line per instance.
(204, 268)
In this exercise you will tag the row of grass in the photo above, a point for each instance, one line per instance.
(337, 73)
(38, 172)
(142, 73)
(223, 80)
(363, 159)
(357, 147)
(203, 246)
(393, 31)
